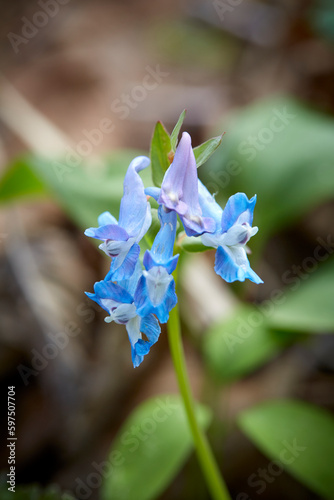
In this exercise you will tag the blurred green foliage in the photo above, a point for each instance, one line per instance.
(283, 152)
(142, 468)
(299, 437)
(321, 18)
(237, 346)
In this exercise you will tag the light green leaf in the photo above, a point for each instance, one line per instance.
(298, 436)
(204, 151)
(236, 346)
(283, 152)
(160, 149)
(176, 130)
(150, 449)
(19, 180)
(86, 191)
(309, 301)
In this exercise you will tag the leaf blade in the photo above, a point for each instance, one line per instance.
(150, 462)
(204, 151)
(160, 148)
(176, 130)
(295, 425)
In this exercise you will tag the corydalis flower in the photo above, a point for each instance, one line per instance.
(117, 299)
(139, 298)
(156, 288)
(233, 231)
(120, 239)
(179, 191)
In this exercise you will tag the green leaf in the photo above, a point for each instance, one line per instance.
(176, 130)
(283, 152)
(86, 191)
(298, 436)
(150, 449)
(308, 305)
(160, 149)
(238, 345)
(19, 180)
(204, 151)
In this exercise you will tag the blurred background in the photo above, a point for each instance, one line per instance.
(81, 88)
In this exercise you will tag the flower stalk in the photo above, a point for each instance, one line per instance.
(206, 458)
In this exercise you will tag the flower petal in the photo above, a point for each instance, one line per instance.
(232, 265)
(145, 306)
(109, 290)
(154, 192)
(133, 329)
(209, 206)
(161, 253)
(151, 328)
(179, 190)
(172, 184)
(134, 210)
(106, 218)
(237, 206)
(108, 232)
(123, 266)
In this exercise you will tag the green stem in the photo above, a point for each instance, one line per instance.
(206, 458)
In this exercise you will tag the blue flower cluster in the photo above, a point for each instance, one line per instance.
(141, 298)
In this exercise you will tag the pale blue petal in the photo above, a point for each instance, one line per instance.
(179, 190)
(161, 253)
(169, 264)
(236, 206)
(106, 218)
(133, 210)
(109, 290)
(151, 328)
(232, 265)
(141, 348)
(146, 223)
(97, 299)
(209, 206)
(154, 192)
(133, 329)
(108, 232)
(116, 248)
(130, 284)
(144, 305)
(172, 184)
(123, 266)
(197, 225)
